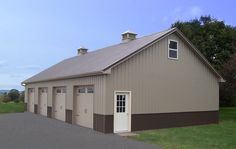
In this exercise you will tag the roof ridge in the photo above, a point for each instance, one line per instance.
(157, 32)
(130, 41)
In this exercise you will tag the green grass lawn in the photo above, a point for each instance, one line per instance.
(11, 107)
(214, 136)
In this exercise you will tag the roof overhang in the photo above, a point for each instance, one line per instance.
(66, 77)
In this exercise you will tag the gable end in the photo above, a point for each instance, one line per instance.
(181, 35)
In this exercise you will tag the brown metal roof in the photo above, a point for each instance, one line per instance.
(95, 62)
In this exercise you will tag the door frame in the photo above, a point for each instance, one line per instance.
(117, 92)
(53, 101)
(75, 87)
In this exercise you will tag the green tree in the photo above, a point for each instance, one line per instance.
(215, 39)
(14, 95)
(22, 96)
(228, 89)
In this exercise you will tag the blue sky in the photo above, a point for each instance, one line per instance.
(37, 34)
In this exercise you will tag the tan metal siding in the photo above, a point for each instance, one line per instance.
(97, 81)
(161, 85)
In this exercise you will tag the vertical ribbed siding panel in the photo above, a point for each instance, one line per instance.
(161, 85)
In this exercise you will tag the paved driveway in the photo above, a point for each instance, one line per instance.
(30, 131)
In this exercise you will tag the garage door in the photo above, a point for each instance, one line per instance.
(84, 106)
(43, 96)
(59, 103)
(31, 100)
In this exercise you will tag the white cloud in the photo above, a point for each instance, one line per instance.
(11, 86)
(20, 76)
(16, 75)
(164, 19)
(177, 10)
(13, 80)
(195, 11)
(186, 13)
(30, 67)
(2, 62)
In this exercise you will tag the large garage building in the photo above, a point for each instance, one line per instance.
(155, 81)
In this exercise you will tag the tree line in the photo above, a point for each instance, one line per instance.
(217, 42)
(13, 95)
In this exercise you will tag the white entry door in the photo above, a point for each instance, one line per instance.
(31, 100)
(43, 96)
(59, 103)
(84, 106)
(122, 112)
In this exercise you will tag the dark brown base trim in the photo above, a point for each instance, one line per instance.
(25, 106)
(69, 116)
(49, 112)
(103, 123)
(36, 109)
(167, 120)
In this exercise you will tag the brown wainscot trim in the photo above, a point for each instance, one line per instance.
(25, 106)
(103, 123)
(35, 108)
(167, 120)
(69, 116)
(49, 112)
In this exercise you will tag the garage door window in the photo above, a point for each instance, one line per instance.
(43, 90)
(90, 90)
(82, 90)
(31, 90)
(58, 90)
(86, 90)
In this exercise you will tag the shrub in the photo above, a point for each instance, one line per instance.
(6, 99)
(13, 94)
(16, 101)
